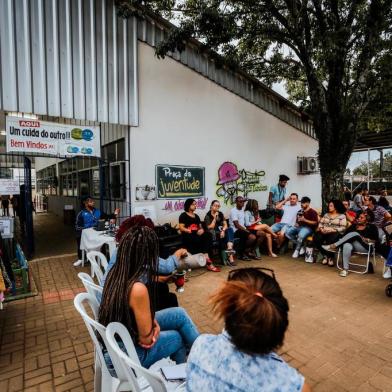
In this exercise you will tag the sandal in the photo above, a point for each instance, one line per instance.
(331, 262)
(230, 261)
(273, 255)
(324, 261)
(211, 267)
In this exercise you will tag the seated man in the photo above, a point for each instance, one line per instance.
(289, 216)
(381, 216)
(88, 217)
(307, 221)
(237, 222)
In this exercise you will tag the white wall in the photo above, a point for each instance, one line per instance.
(185, 119)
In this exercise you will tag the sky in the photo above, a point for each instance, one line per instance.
(357, 157)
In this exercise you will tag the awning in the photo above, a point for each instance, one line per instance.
(374, 141)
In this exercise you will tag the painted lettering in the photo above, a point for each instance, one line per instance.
(32, 124)
(201, 204)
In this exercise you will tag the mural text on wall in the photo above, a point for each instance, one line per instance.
(175, 182)
(173, 206)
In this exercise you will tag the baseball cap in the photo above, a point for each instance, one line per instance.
(240, 198)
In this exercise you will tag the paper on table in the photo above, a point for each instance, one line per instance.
(176, 372)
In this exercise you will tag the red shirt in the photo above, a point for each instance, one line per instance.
(310, 215)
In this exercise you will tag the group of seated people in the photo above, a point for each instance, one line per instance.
(250, 302)
(299, 223)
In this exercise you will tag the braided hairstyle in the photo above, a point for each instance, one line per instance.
(137, 260)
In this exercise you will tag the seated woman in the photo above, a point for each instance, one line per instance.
(357, 239)
(331, 227)
(194, 238)
(165, 299)
(261, 230)
(129, 298)
(243, 357)
(216, 224)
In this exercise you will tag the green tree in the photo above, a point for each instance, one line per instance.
(386, 168)
(337, 50)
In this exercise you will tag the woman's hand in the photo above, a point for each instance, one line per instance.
(200, 231)
(222, 234)
(155, 336)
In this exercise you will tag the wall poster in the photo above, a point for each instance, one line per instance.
(179, 182)
(60, 140)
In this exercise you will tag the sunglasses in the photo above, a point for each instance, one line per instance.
(231, 275)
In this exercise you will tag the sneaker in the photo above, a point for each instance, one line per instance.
(302, 251)
(78, 263)
(309, 259)
(387, 274)
(343, 273)
(295, 254)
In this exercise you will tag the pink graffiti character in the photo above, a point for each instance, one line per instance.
(228, 179)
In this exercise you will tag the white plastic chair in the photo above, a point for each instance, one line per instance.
(91, 287)
(132, 369)
(103, 380)
(98, 264)
(363, 268)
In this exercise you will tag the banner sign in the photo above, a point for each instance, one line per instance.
(43, 137)
(179, 182)
(9, 187)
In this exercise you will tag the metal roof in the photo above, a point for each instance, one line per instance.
(69, 58)
(372, 140)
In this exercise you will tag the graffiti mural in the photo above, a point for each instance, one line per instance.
(173, 206)
(233, 182)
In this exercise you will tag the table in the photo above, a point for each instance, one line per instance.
(93, 240)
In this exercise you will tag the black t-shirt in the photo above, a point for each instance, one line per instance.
(189, 222)
(370, 231)
(218, 222)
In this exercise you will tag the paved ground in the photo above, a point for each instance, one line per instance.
(340, 334)
(52, 237)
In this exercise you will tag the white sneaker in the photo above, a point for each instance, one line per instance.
(295, 254)
(78, 263)
(387, 274)
(309, 259)
(343, 273)
(302, 251)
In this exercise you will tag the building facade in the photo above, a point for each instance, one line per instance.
(170, 129)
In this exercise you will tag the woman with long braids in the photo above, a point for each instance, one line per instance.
(129, 296)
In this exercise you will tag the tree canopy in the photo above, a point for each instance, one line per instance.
(333, 55)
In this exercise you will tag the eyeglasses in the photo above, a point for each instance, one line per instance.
(267, 271)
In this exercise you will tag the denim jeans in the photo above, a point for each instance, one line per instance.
(279, 227)
(298, 234)
(178, 332)
(348, 249)
(229, 237)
